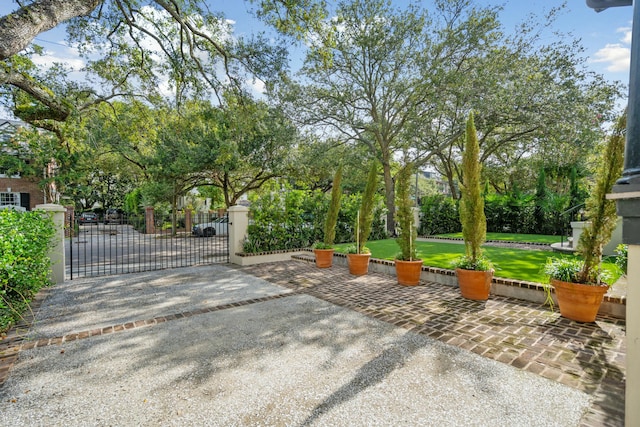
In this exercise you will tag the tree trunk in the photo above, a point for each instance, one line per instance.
(389, 193)
(21, 27)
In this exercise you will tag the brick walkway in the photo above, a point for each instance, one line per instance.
(588, 357)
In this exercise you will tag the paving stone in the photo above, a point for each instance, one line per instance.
(524, 334)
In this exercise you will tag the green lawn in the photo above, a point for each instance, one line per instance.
(518, 264)
(523, 238)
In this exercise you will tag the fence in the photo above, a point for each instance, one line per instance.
(117, 243)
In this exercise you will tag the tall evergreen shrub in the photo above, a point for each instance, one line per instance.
(600, 211)
(474, 223)
(404, 216)
(334, 209)
(366, 208)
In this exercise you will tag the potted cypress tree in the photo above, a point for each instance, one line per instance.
(473, 270)
(358, 255)
(324, 250)
(578, 282)
(408, 266)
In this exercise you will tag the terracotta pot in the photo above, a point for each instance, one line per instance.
(474, 285)
(408, 272)
(577, 301)
(358, 263)
(324, 257)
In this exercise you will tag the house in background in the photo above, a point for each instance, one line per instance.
(16, 190)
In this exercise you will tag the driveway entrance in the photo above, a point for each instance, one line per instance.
(124, 245)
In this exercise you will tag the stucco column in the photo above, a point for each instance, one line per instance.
(238, 224)
(632, 398)
(56, 252)
(628, 204)
(577, 228)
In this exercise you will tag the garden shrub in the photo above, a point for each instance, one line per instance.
(25, 238)
(294, 219)
(512, 213)
(439, 215)
(622, 257)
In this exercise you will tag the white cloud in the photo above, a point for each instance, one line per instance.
(49, 58)
(616, 55)
(257, 86)
(626, 31)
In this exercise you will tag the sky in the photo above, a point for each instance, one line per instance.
(605, 35)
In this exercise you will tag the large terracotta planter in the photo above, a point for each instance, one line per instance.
(324, 257)
(474, 285)
(408, 272)
(358, 263)
(577, 301)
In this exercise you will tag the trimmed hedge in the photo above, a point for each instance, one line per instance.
(510, 213)
(25, 239)
(294, 219)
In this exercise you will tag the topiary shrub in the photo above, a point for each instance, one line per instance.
(365, 214)
(404, 216)
(472, 217)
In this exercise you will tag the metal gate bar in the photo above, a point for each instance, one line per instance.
(122, 246)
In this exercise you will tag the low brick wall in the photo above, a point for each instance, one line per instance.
(528, 291)
(264, 257)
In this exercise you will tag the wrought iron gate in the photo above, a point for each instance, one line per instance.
(115, 243)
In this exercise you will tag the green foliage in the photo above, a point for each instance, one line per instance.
(365, 214)
(353, 249)
(281, 221)
(622, 257)
(283, 218)
(133, 202)
(511, 237)
(600, 211)
(468, 263)
(24, 263)
(576, 196)
(439, 215)
(472, 217)
(322, 245)
(404, 215)
(334, 209)
(541, 196)
(563, 269)
(516, 213)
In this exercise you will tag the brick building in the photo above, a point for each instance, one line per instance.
(15, 189)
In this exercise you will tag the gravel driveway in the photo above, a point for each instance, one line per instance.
(251, 353)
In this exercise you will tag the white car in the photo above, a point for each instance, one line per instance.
(218, 227)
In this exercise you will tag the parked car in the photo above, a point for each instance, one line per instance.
(217, 227)
(88, 218)
(113, 216)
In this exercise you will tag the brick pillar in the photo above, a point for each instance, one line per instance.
(149, 220)
(69, 221)
(188, 221)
